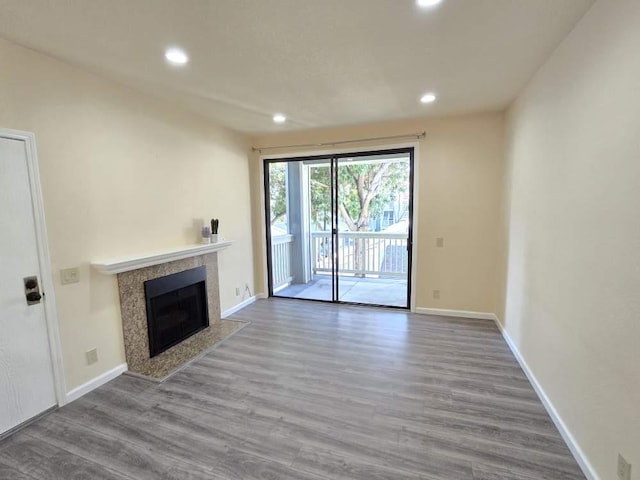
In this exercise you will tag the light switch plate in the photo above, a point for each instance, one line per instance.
(69, 275)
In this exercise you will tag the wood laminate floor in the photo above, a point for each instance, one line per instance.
(311, 391)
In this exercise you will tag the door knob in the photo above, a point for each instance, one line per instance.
(30, 284)
(34, 297)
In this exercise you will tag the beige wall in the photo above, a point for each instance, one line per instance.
(122, 174)
(460, 168)
(573, 304)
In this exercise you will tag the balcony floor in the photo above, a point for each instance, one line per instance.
(375, 291)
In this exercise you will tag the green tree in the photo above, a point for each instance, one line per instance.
(278, 192)
(364, 190)
(320, 197)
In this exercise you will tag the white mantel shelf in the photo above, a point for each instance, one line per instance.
(134, 262)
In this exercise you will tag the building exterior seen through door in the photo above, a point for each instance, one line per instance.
(339, 227)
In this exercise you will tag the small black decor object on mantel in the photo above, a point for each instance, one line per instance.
(214, 230)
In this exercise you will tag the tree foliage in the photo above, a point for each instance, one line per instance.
(364, 190)
(278, 191)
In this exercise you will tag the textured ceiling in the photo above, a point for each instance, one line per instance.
(321, 62)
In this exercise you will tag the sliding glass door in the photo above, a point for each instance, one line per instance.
(299, 205)
(373, 213)
(340, 227)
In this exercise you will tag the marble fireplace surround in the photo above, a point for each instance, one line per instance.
(132, 272)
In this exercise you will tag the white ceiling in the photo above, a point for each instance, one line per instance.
(321, 62)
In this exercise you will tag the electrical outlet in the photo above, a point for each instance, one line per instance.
(436, 294)
(69, 275)
(440, 242)
(237, 291)
(624, 468)
(92, 356)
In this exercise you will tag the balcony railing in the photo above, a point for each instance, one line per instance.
(359, 254)
(362, 253)
(281, 260)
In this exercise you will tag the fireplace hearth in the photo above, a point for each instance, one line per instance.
(176, 308)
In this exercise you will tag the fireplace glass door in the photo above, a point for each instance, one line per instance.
(176, 308)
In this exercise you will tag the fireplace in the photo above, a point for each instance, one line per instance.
(176, 308)
(136, 299)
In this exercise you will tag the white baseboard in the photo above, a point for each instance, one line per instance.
(456, 313)
(240, 306)
(261, 295)
(577, 452)
(95, 383)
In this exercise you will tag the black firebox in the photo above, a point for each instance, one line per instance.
(176, 308)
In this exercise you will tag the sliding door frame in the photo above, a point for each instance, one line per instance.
(267, 219)
(333, 158)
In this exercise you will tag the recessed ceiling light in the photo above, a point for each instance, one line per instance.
(428, 98)
(176, 56)
(279, 118)
(428, 3)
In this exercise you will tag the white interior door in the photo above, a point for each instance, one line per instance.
(26, 372)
